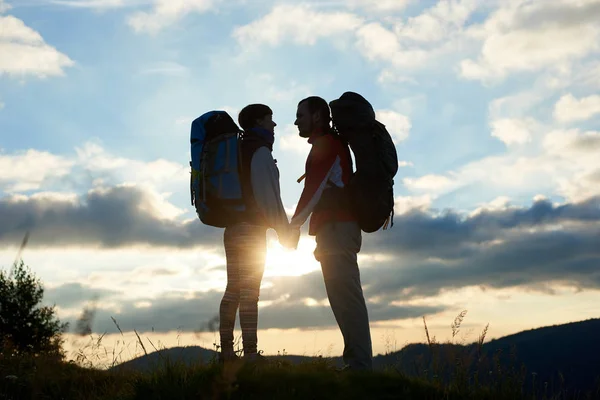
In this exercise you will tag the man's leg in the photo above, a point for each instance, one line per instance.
(253, 246)
(231, 298)
(337, 248)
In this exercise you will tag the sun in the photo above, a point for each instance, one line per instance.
(284, 262)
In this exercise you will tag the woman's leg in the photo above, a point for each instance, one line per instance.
(231, 298)
(253, 247)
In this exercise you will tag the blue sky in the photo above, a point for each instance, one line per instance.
(494, 106)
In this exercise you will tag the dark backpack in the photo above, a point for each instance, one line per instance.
(370, 191)
(215, 182)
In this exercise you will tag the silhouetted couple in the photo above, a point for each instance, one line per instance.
(338, 235)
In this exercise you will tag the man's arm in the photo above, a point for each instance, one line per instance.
(265, 186)
(323, 162)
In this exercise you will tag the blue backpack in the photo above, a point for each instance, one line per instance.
(215, 183)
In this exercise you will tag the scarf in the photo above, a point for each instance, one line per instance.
(264, 134)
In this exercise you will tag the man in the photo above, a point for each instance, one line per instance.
(338, 235)
(245, 241)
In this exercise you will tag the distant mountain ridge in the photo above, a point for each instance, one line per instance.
(567, 355)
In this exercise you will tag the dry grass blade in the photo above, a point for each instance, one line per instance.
(427, 332)
(140, 341)
(117, 325)
(481, 339)
(456, 324)
(23, 245)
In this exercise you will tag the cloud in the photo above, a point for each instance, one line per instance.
(16, 176)
(173, 311)
(405, 204)
(95, 4)
(513, 131)
(378, 43)
(423, 255)
(497, 248)
(378, 5)
(438, 22)
(569, 109)
(74, 295)
(529, 36)
(112, 217)
(429, 182)
(91, 166)
(398, 125)
(575, 154)
(167, 12)
(4, 7)
(301, 24)
(168, 68)
(289, 140)
(23, 51)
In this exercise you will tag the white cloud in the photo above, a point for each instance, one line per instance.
(298, 23)
(434, 32)
(564, 162)
(157, 173)
(438, 22)
(575, 155)
(24, 52)
(16, 174)
(429, 183)
(289, 140)
(91, 166)
(167, 12)
(169, 68)
(403, 164)
(95, 4)
(4, 7)
(529, 36)
(379, 5)
(569, 109)
(513, 131)
(404, 204)
(377, 43)
(516, 105)
(398, 125)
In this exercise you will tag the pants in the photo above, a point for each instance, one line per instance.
(245, 251)
(338, 244)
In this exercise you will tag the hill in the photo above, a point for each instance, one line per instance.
(560, 355)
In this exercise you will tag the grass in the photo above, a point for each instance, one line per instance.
(46, 379)
(455, 373)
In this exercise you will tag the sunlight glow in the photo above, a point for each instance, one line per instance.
(284, 262)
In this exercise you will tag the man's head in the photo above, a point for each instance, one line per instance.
(256, 116)
(313, 113)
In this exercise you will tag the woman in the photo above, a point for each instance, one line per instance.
(245, 242)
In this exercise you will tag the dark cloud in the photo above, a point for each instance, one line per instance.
(556, 14)
(74, 294)
(529, 247)
(115, 217)
(173, 313)
(452, 235)
(509, 248)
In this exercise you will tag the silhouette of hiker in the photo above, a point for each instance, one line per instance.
(338, 235)
(245, 242)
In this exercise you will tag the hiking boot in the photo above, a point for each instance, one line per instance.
(256, 358)
(227, 358)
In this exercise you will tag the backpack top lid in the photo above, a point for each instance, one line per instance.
(353, 107)
(211, 124)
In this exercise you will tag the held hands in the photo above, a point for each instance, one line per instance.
(291, 238)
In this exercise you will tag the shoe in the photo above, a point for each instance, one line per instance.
(345, 368)
(227, 358)
(256, 358)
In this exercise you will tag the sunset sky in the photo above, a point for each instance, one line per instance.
(494, 106)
